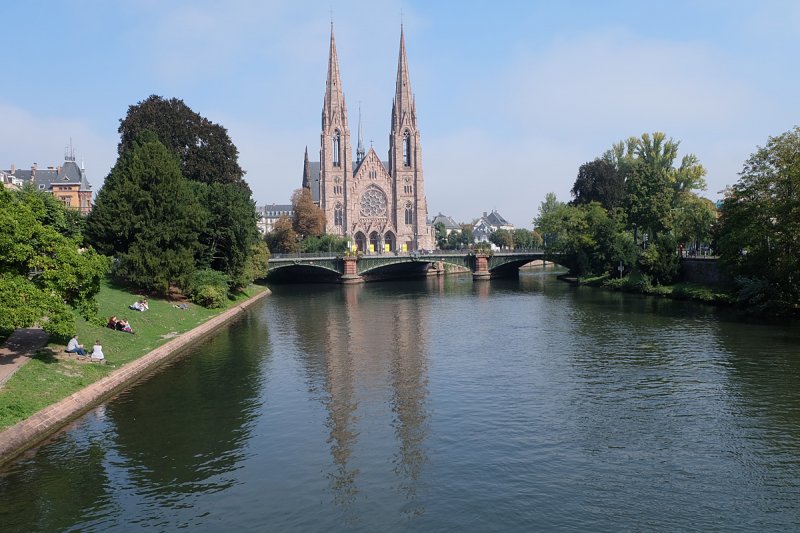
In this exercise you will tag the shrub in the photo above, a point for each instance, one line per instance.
(208, 287)
(660, 261)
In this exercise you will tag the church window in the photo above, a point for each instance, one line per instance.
(409, 213)
(406, 149)
(337, 160)
(338, 215)
(373, 203)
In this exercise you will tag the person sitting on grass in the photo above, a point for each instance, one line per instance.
(74, 347)
(140, 305)
(97, 352)
(123, 325)
(112, 323)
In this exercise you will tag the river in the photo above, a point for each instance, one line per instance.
(440, 405)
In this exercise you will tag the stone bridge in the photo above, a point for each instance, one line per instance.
(359, 268)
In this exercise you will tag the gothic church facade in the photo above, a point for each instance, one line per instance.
(378, 206)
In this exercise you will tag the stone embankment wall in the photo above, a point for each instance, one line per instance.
(32, 430)
(694, 270)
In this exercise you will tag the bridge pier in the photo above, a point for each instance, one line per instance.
(481, 267)
(436, 269)
(350, 275)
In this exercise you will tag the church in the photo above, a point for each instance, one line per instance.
(379, 206)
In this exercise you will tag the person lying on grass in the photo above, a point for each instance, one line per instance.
(140, 305)
(123, 325)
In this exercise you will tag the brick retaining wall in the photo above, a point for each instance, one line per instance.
(36, 428)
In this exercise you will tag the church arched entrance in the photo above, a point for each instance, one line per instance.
(361, 242)
(389, 242)
(374, 242)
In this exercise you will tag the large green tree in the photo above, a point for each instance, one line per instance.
(759, 228)
(204, 149)
(694, 220)
(148, 217)
(599, 181)
(230, 232)
(526, 239)
(44, 272)
(648, 199)
(209, 159)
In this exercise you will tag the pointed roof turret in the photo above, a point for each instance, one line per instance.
(403, 100)
(334, 97)
(306, 172)
(360, 149)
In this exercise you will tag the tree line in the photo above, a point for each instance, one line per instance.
(175, 212)
(637, 208)
(174, 215)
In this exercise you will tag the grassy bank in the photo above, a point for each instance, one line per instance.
(52, 374)
(701, 292)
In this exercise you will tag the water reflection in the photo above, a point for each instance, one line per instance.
(353, 346)
(441, 405)
(65, 481)
(183, 445)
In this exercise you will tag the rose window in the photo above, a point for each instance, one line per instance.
(373, 203)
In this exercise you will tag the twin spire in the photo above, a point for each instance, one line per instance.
(333, 107)
(403, 108)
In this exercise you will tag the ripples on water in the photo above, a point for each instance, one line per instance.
(441, 405)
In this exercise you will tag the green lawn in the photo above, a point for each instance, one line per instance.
(53, 375)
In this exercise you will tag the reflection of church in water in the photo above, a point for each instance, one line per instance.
(380, 206)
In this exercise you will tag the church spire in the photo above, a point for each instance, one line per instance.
(334, 97)
(306, 172)
(403, 109)
(360, 149)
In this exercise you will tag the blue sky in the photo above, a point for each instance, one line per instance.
(512, 97)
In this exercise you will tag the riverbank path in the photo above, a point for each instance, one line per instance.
(18, 350)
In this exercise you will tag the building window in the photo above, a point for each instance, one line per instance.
(337, 161)
(373, 203)
(406, 149)
(409, 213)
(408, 189)
(338, 215)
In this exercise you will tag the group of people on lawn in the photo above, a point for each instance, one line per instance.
(121, 324)
(113, 323)
(75, 347)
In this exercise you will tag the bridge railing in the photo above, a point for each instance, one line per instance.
(419, 253)
(306, 255)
